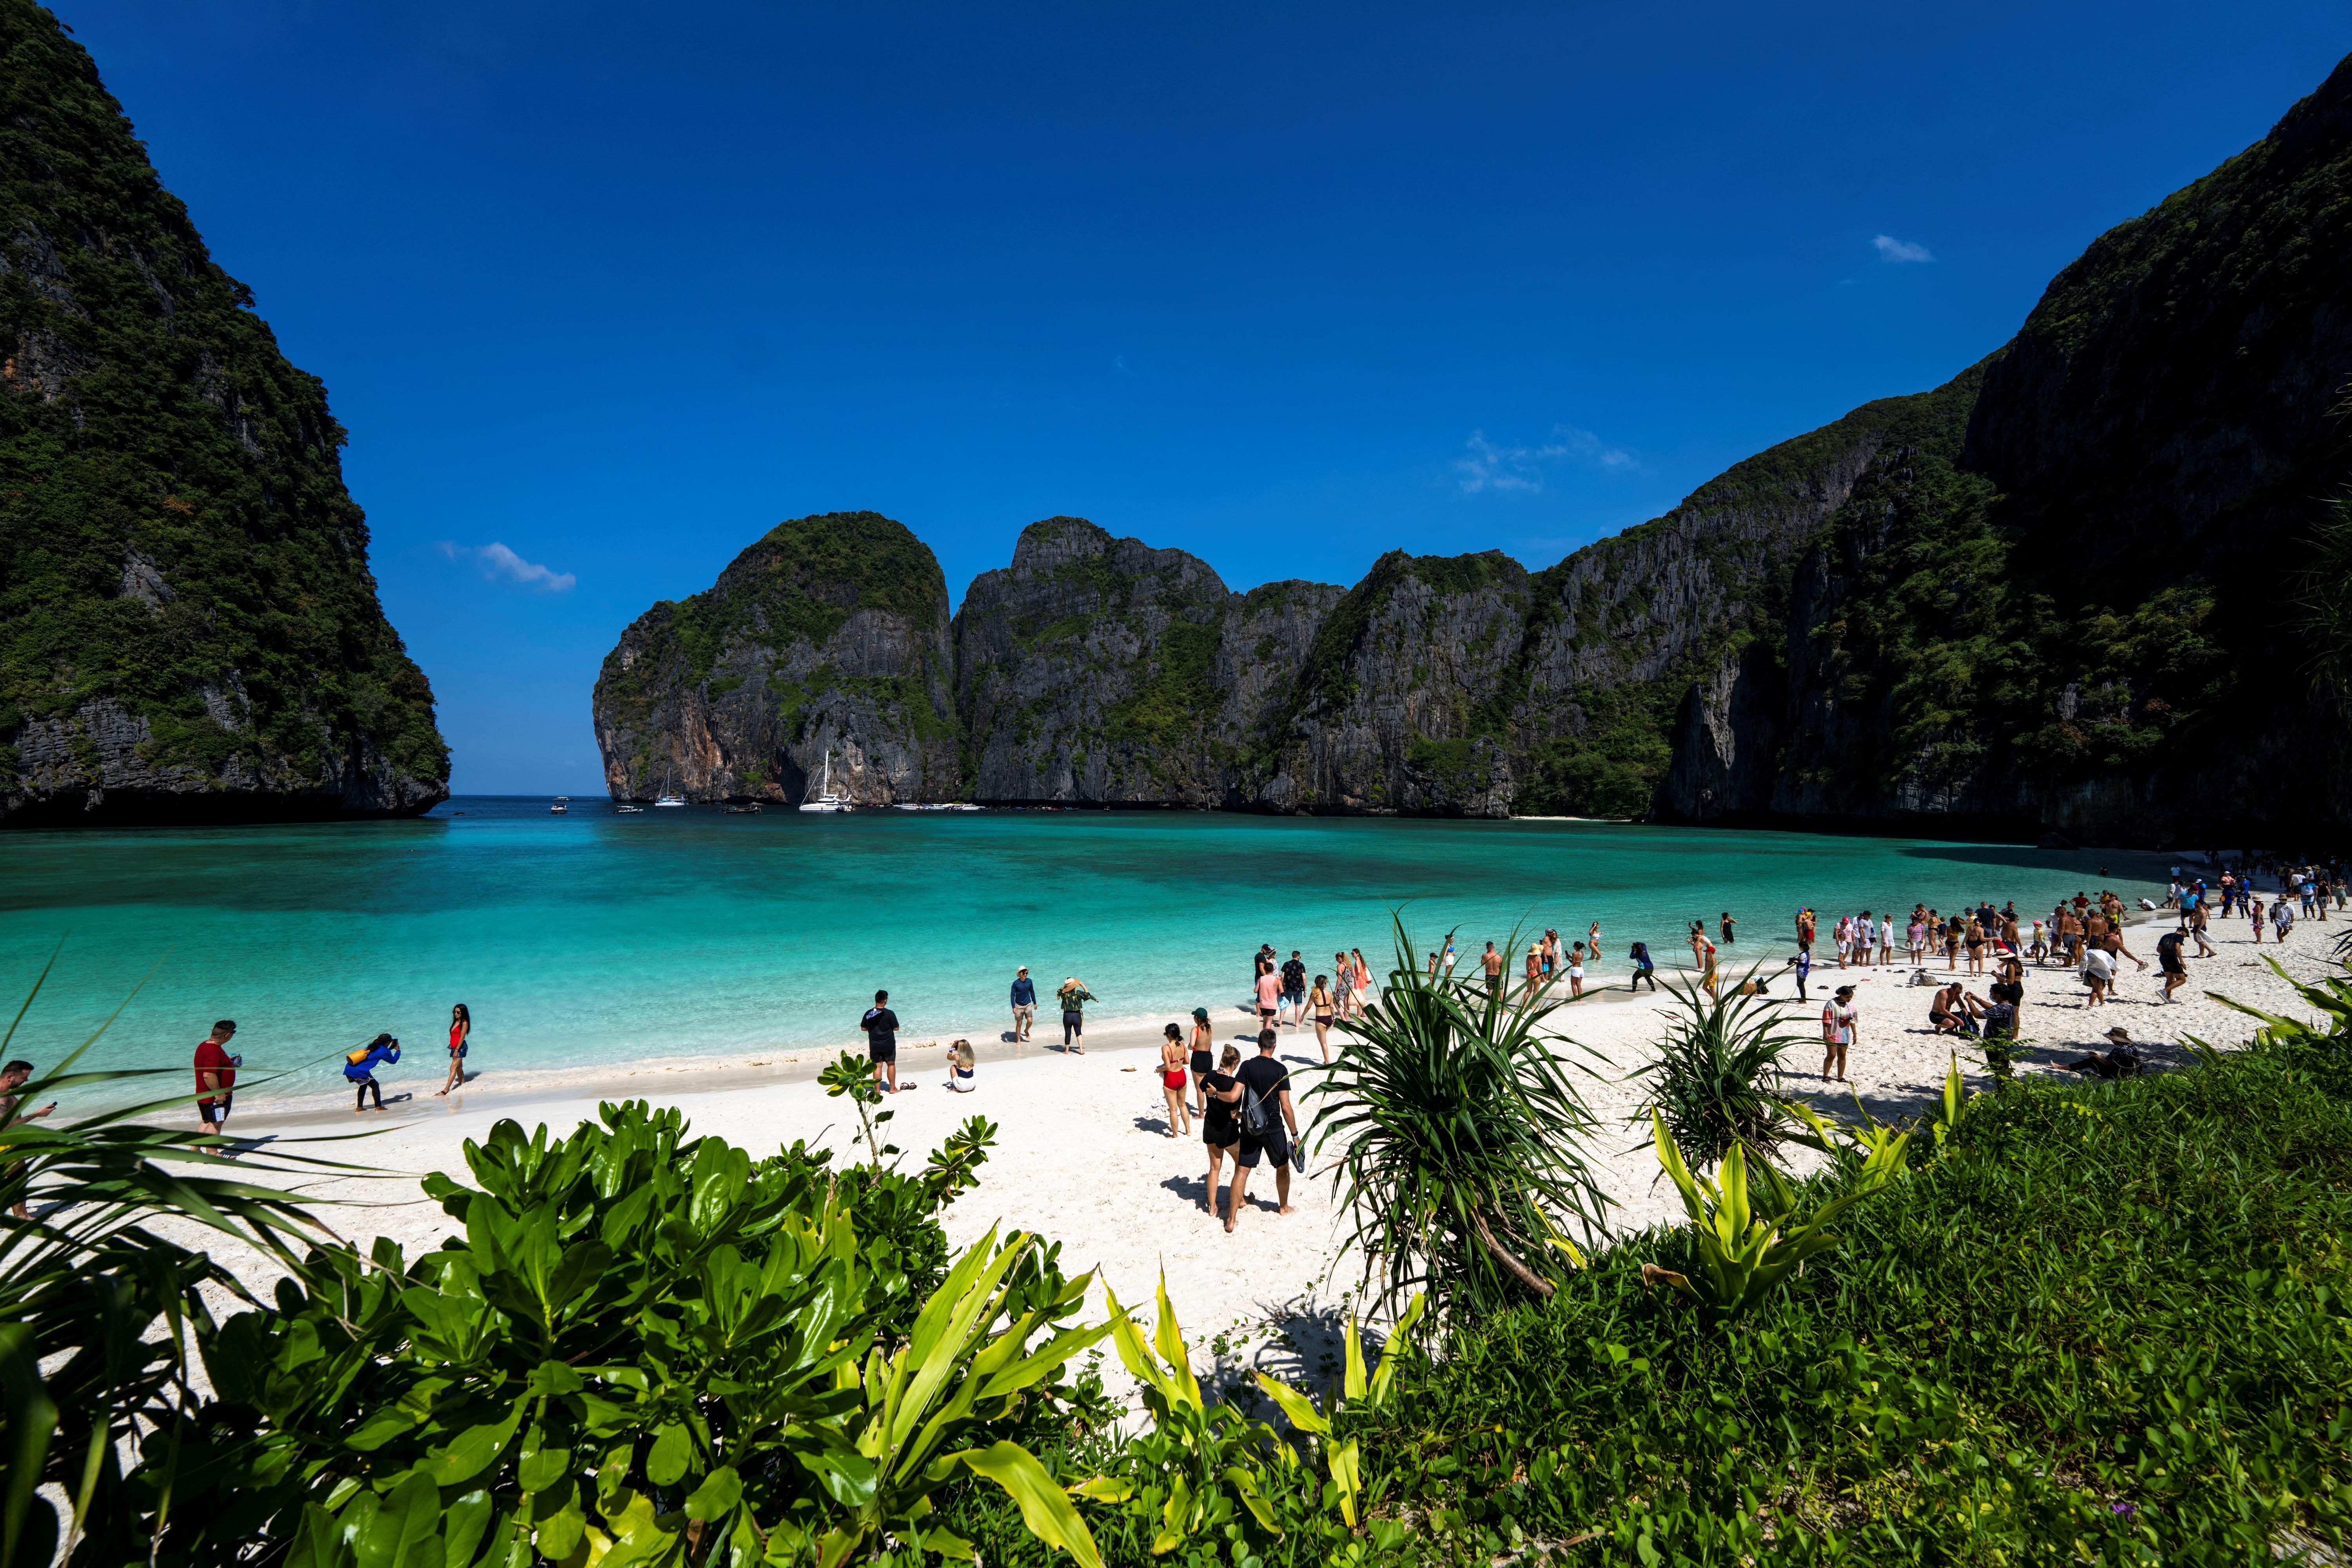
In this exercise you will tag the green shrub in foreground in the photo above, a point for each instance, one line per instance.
(2112, 1327)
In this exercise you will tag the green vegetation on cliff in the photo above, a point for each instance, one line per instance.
(175, 535)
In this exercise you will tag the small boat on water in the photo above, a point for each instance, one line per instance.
(628, 810)
(937, 805)
(825, 799)
(563, 805)
(749, 808)
(665, 798)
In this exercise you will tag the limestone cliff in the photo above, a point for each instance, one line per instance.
(2059, 591)
(1100, 669)
(829, 635)
(192, 633)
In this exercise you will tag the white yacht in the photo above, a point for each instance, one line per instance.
(825, 799)
(665, 798)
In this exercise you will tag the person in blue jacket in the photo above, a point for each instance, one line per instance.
(1025, 1003)
(360, 1068)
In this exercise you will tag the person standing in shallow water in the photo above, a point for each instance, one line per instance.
(461, 1029)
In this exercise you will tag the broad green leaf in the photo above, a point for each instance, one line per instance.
(1044, 1507)
(672, 1453)
(1295, 1405)
(471, 1451)
(720, 1490)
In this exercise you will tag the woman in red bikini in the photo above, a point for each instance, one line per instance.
(461, 1025)
(1171, 1081)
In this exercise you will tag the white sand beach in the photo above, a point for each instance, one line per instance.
(1082, 1154)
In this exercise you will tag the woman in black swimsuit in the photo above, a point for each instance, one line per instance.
(1203, 1062)
(1221, 1129)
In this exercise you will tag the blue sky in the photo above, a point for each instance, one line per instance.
(616, 288)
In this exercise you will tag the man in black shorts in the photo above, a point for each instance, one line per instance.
(1267, 1082)
(2168, 960)
(881, 1026)
(1294, 989)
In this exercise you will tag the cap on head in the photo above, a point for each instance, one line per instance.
(1200, 1014)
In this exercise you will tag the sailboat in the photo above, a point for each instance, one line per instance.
(825, 799)
(665, 798)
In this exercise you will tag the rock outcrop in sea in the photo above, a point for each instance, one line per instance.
(828, 635)
(192, 633)
(2057, 594)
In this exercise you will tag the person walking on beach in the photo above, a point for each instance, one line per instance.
(1645, 968)
(1323, 1004)
(1492, 962)
(1203, 1062)
(2168, 960)
(1887, 938)
(881, 1026)
(2281, 917)
(1803, 964)
(1221, 1130)
(1294, 988)
(1025, 1004)
(216, 1076)
(1365, 994)
(360, 1066)
(1576, 973)
(1269, 999)
(1074, 998)
(1171, 1081)
(1343, 983)
(2099, 973)
(2197, 919)
(1265, 1083)
(461, 1029)
(1838, 1025)
(1532, 973)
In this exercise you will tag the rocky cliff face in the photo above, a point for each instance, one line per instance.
(191, 632)
(830, 636)
(2057, 591)
(1101, 670)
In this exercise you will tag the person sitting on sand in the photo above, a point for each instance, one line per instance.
(1954, 1010)
(962, 1078)
(360, 1067)
(1171, 1081)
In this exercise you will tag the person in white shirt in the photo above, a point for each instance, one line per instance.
(1886, 939)
(1838, 1025)
(2099, 973)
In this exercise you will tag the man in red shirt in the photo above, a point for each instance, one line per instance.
(215, 1075)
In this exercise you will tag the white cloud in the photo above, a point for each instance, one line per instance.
(1890, 248)
(1492, 467)
(498, 561)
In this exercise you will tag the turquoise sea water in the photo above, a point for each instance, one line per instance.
(596, 938)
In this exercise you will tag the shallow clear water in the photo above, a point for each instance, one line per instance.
(595, 938)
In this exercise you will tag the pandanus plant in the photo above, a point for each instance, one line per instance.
(1460, 1135)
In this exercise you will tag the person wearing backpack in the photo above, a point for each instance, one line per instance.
(1269, 1124)
(358, 1068)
